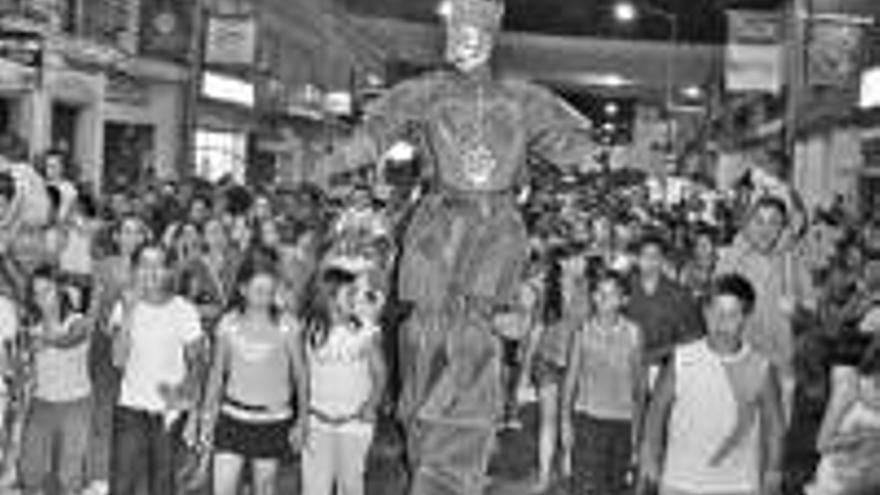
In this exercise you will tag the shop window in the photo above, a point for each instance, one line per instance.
(128, 150)
(220, 154)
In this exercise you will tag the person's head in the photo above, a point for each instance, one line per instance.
(54, 165)
(704, 244)
(7, 192)
(652, 251)
(153, 270)
(257, 283)
(269, 233)
(240, 232)
(131, 233)
(471, 27)
(327, 303)
(608, 291)
(13, 148)
(199, 209)
(216, 235)
(731, 304)
(262, 208)
(361, 198)
(187, 242)
(767, 223)
(49, 294)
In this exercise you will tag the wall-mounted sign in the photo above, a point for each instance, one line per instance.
(127, 90)
(232, 40)
(228, 89)
(22, 48)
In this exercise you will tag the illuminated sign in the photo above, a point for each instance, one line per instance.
(228, 89)
(870, 91)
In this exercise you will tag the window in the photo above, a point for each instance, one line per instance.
(220, 153)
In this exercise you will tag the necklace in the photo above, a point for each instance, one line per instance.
(477, 159)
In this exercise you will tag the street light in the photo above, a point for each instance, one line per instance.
(626, 11)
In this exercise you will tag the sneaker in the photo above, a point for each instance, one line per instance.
(97, 487)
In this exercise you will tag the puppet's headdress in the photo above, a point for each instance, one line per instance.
(485, 14)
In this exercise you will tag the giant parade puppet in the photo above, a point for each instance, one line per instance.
(464, 249)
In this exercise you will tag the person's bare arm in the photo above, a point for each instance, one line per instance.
(214, 387)
(639, 390)
(653, 445)
(843, 393)
(772, 433)
(569, 389)
(378, 376)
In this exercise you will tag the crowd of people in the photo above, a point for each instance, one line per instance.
(182, 335)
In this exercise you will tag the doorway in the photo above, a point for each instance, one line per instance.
(128, 149)
(65, 119)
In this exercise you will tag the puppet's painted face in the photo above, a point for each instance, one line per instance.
(468, 47)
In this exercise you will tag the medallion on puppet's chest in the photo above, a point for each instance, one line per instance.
(482, 140)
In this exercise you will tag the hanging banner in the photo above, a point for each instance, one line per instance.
(834, 52)
(754, 53)
(232, 40)
(167, 29)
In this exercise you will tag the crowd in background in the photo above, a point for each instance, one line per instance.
(182, 332)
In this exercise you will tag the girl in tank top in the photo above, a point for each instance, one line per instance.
(346, 379)
(258, 366)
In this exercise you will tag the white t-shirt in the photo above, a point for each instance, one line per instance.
(159, 336)
(63, 374)
(8, 319)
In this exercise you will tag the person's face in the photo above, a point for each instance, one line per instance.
(651, 260)
(262, 208)
(189, 242)
(259, 292)
(367, 301)
(131, 235)
(241, 232)
(198, 211)
(54, 167)
(608, 297)
(46, 295)
(215, 235)
(726, 318)
(854, 257)
(468, 47)
(269, 233)
(152, 272)
(705, 248)
(343, 302)
(766, 227)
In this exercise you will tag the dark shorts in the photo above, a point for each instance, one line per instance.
(252, 440)
(545, 371)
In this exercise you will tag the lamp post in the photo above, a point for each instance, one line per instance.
(626, 11)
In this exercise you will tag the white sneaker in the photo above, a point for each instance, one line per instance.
(97, 487)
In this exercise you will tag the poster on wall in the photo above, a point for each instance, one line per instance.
(167, 29)
(754, 56)
(232, 40)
